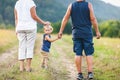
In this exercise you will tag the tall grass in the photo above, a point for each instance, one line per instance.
(13, 73)
(7, 39)
(106, 57)
(106, 61)
(55, 71)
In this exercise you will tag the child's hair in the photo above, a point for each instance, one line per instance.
(48, 27)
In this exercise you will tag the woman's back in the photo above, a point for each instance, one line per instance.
(24, 16)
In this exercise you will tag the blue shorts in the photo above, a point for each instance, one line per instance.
(81, 44)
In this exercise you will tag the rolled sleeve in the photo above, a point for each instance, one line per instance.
(32, 4)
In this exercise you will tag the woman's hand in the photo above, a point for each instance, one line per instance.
(47, 23)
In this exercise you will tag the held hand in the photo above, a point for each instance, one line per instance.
(47, 23)
(60, 35)
(16, 33)
(98, 35)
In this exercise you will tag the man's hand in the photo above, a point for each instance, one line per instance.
(98, 35)
(60, 35)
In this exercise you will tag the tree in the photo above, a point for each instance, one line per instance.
(1, 19)
(110, 28)
(57, 25)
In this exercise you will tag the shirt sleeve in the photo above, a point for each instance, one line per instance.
(16, 5)
(31, 4)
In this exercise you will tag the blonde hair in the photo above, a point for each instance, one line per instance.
(48, 27)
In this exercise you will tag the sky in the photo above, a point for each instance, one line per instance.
(113, 2)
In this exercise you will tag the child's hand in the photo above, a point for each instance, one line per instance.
(57, 38)
(16, 33)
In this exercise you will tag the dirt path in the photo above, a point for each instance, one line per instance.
(70, 66)
(8, 58)
(68, 62)
(62, 67)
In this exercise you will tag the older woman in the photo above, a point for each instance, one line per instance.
(26, 27)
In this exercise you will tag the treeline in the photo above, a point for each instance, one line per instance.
(109, 28)
(46, 10)
(57, 26)
(7, 12)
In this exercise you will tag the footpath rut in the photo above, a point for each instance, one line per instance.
(58, 65)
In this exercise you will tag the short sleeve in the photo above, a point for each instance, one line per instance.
(31, 4)
(16, 5)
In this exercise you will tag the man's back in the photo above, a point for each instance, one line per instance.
(80, 16)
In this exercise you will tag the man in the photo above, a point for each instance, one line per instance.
(82, 16)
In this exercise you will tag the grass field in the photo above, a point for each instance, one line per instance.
(106, 61)
(7, 40)
(106, 58)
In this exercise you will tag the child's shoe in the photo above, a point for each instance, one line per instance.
(44, 66)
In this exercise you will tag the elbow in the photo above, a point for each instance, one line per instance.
(34, 17)
(51, 41)
(65, 20)
(93, 19)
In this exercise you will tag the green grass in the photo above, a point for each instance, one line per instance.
(106, 57)
(106, 61)
(13, 73)
(7, 40)
(54, 72)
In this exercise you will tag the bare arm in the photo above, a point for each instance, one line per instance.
(64, 21)
(49, 39)
(35, 17)
(94, 21)
(16, 18)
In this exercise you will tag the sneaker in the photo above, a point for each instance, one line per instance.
(29, 70)
(90, 75)
(80, 76)
(44, 66)
(21, 70)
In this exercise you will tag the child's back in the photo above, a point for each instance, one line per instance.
(45, 49)
(46, 44)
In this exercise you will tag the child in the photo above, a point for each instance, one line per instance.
(46, 44)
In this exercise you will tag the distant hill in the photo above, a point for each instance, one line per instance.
(50, 10)
(54, 10)
(105, 11)
(102, 10)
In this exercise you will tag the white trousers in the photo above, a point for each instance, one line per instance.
(26, 43)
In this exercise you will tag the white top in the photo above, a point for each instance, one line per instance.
(25, 20)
